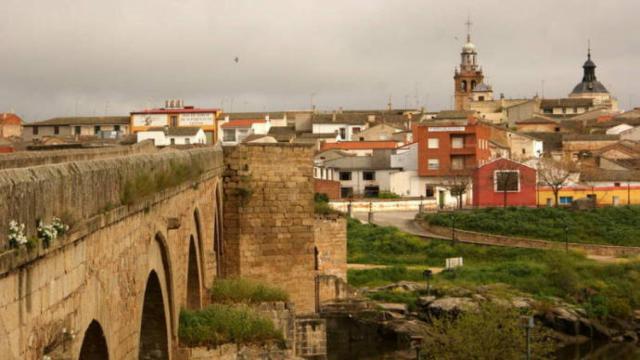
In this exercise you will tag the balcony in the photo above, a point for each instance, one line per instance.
(466, 150)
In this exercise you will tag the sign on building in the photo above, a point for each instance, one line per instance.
(149, 120)
(197, 119)
(445, 128)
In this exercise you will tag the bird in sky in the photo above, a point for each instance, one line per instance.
(236, 59)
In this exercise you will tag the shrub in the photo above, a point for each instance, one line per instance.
(218, 324)
(492, 333)
(320, 197)
(387, 195)
(238, 290)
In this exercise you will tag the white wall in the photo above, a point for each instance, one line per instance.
(333, 128)
(358, 183)
(160, 139)
(406, 158)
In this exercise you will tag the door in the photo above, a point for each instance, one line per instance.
(441, 198)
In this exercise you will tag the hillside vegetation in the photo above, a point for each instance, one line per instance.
(602, 289)
(607, 225)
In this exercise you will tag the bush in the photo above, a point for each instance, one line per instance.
(218, 324)
(320, 197)
(387, 195)
(492, 333)
(238, 290)
(374, 277)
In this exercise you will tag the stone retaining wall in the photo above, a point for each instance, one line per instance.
(490, 239)
(384, 205)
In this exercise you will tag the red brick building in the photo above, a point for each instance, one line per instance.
(503, 182)
(455, 144)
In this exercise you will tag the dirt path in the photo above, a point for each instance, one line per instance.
(434, 270)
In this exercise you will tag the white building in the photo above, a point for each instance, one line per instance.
(173, 136)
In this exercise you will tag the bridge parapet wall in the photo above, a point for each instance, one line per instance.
(82, 189)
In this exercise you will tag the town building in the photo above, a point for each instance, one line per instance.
(112, 127)
(504, 182)
(165, 136)
(176, 114)
(10, 125)
(602, 187)
(360, 148)
(538, 124)
(233, 132)
(361, 176)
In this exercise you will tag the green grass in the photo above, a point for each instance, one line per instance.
(603, 289)
(238, 290)
(219, 324)
(607, 225)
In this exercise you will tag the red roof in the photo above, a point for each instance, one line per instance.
(359, 145)
(10, 119)
(242, 123)
(185, 110)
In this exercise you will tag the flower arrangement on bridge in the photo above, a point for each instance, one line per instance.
(17, 237)
(60, 227)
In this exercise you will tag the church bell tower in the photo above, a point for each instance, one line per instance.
(468, 75)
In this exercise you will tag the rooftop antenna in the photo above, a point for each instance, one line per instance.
(389, 104)
(543, 88)
(589, 49)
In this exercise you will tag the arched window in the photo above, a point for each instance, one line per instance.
(473, 85)
(463, 85)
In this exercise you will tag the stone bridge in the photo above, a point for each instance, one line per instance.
(145, 242)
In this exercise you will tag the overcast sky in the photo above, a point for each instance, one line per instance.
(96, 57)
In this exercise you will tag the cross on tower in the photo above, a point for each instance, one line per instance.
(468, 24)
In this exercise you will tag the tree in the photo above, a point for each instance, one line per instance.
(508, 178)
(493, 332)
(554, 174)
(458, 185)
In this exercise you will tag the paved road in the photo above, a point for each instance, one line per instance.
(403, 220)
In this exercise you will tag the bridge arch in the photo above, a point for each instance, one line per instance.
(218, 249)
(154, 339)
(200, 241)
(167, 268)
(194, 286)
(94, 344)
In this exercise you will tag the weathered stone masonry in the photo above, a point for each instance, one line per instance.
(269, 218)
(100, 271)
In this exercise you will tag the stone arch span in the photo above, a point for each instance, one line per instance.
(218, 249)
(194, 286)
(154, 339)
(94, 344)
(200, 241)
(161, 242)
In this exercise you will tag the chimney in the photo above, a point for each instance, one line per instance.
(340, 110)
(333, 116)
(166, 104)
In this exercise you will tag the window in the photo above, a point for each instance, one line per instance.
(556, 129)
(174, 121)
(116, 128)
(242, 133)
(616, 184)
(507, 180)
(56, 130)
(433, 143)
(355, 130)
(368, 175)
(173, 141)
(481, 98)
(346, 192)
(343, 134)
(96, 129)
(457, 142)
(371, 191)
(524, 151)
(457, 162)
(78, 130)
(345, 175)
(430, 191)
(433, 164)
(547, 111)
(229, 135)
(566, 200)
(34, 130)
(187, 141)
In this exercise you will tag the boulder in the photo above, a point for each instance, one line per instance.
(393, 308)
(424, 301)
(451, 306)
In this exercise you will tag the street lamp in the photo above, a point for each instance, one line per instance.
(427, 274)
(528, 326)
(370, 218)
(566, 237)
(453, 228)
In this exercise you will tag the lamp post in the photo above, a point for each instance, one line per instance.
(421, 206)
(453, 228)
(427, 277)
(349, 207)
(528, 326)
(370, 217)
(566, 237)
